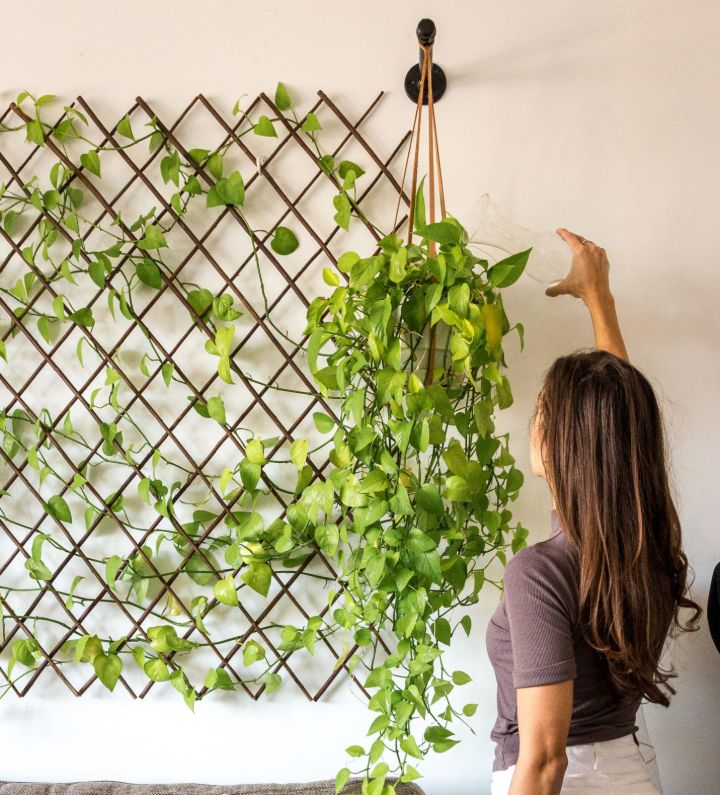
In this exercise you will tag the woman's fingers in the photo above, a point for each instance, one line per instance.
(561, 288)
(574, 241)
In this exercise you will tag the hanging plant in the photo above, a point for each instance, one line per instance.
(418, 496)
(407, 355)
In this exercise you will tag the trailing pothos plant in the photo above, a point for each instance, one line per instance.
(421, 480)
(407, 354)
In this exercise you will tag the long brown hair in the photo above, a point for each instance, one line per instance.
(604, 451)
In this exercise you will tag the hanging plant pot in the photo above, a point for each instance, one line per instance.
(429, 355)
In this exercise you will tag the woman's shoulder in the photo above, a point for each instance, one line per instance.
(553, 552)
(548, 566)
(528, 564)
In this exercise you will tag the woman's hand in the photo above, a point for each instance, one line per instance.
(589, 280)
(589, 277)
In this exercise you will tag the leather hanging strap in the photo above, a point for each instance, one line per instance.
(434, 168)
(434, 175)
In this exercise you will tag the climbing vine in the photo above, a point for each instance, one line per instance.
(404, 354)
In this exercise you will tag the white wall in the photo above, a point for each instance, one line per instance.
(602, 117)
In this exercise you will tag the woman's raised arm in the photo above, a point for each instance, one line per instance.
(589, 280)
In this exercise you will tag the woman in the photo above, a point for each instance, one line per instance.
(576, 640)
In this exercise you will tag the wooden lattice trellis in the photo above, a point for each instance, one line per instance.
(48, 373)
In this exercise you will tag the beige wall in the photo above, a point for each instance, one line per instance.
(602, 117)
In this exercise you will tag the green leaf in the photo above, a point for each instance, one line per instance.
(249, 474)
(9, 221)
(157, 670)
(38, 570)
(219, 679)
(311, 124)
(44, 99)
(230, 191)
(509, 270)
(71, 222)
(70, 601)
(461, 678)
(419, 215)
(224, 369)
(427, 564)
(410, 746)
(96, 270)
(346, 261)
(108, 668)
(149, 273)
(51, 199)
(442, 232)
(198, 570)
(223, 308)
(459, 299)
(284, 241)
(282, 98)
(24, 650)
(216, 409)
(91, 161)
(272, 682)
(443, 631)
(198, 155)
(519, 539)
(112, 564)
(346, 166)
(200, 300)
(34, 132)
(43, 324)
(482, 414)
(252, 652)
(344, 211)
(298, 452)
(457, 489)
(341, 779)
(327, 537)
(124, 128)
(167, 372)
(225, 591)
(83, 317)
(258, 576)
(87, 649)
(215, 165)
(492, 314)
(170, 168)
(255, 451)
(323, 423)
(58, 509)
(265, 127)
(330, 277)
(154, 238)
(428, 498)
(58, 306)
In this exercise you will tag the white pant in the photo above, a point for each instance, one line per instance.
(612, 766)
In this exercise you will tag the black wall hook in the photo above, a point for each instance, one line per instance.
(426, 36)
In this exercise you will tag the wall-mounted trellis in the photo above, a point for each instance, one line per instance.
(152, 356)
(234, 451)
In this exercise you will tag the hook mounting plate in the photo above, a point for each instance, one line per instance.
(412, 83)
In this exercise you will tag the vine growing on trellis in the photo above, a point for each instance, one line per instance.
(413, 507)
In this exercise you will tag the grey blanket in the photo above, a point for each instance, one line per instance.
(120, 788)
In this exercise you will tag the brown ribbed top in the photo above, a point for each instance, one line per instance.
(533, 639)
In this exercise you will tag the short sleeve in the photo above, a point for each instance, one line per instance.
(539, 616)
